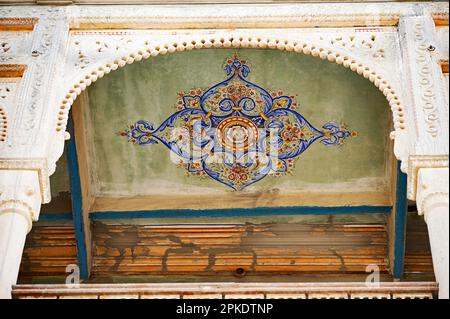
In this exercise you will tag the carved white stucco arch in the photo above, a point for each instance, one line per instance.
(94, 54)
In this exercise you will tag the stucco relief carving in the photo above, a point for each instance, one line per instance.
(14, 46)
(432, 189)
(417, 162)
(4, 47)
(428, 113)
(20, 194)
(43, 55)
(91, 49)
(363, 40)
(8, 89)
(426, 80)
(41, 52)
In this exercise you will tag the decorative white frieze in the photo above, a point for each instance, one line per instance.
(427, 95)
(47, 54)
(15, 47)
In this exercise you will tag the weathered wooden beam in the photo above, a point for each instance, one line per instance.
(239, 250)
(48, 251)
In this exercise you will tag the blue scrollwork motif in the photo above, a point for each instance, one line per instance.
(236, 132)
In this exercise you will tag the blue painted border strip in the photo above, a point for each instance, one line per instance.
(77, 202)
(56, 216)
(401, 211)
(239, 212)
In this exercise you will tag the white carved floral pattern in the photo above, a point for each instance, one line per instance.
(7, 95)
(14, 45)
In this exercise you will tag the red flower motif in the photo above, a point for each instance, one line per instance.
(291, 133)
(243, 177)
(237, 169)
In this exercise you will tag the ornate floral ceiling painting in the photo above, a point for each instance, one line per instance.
(236, 132)
(218, 120)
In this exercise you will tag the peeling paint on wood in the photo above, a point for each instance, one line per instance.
(243, 250)
(48, 250)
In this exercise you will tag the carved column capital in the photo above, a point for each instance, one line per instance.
(20, 194)
(432, 190)
(36, 165)
(417, 163)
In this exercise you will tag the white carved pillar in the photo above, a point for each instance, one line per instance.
(428, 135)
(432, 203)
(20, 201)
(25, 131)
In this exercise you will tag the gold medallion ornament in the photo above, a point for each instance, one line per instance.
(237, 133)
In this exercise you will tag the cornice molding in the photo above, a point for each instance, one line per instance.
(233, 21)
(17, 24)
(440, 19)
(12, 70)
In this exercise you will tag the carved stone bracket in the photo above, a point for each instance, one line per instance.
(432, 189)
(417, 162)
(36, 165)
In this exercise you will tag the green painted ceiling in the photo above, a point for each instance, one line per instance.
(60, 189)
(148, 90)
(59, 181)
